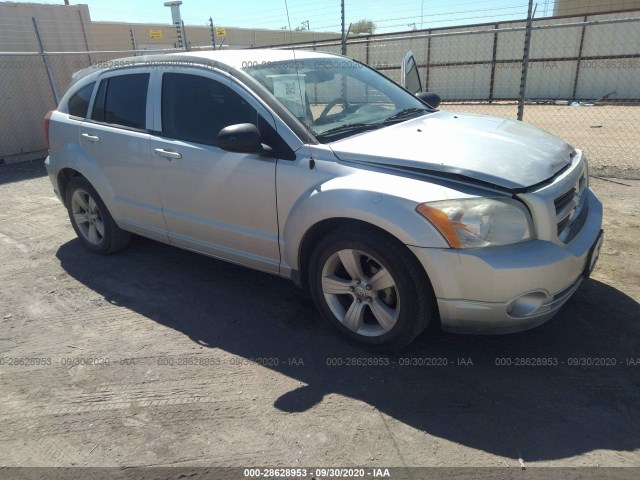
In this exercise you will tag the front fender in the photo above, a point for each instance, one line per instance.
(352, 198)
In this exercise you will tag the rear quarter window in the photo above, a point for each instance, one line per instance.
(79, 102)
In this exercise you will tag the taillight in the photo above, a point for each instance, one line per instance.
(47, 121)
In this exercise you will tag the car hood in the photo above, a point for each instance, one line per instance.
(502, 152)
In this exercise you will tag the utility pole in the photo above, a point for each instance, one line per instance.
(344, 33)
(213, 32)
(525, 62)
(132, 37)
(178, 23)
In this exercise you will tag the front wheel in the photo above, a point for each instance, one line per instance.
(370, 288)
(91, 220)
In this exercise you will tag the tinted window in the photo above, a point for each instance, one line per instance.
(79, 101)
(122, 100)
(196, 108)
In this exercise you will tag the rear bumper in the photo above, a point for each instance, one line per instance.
(48, 163)
(512, 288)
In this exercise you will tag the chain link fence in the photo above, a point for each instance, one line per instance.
(36, 68)
(584, 86)
(582, 74)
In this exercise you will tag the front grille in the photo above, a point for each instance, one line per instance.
(570, 210)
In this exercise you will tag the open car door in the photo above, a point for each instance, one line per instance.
(409, 74)
(410, 79)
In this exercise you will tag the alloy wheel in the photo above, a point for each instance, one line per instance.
(360, 292)
(87, 217)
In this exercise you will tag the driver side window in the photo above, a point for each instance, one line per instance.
(196, 108)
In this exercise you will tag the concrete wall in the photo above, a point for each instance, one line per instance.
(573, 62)
(117, 36)
(582, 7)
(25, 91)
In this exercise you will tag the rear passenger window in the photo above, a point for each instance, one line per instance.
(196, 108)
(122, 100)
(79, 101)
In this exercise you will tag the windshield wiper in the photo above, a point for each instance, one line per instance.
(349, 128)
(407, 112)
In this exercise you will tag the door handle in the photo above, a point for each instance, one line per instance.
(91, 138)
(170, 154)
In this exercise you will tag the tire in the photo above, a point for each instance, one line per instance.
(371, 288)
(91, 220)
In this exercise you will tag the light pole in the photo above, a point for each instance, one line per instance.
(177, 21)
(175, 11)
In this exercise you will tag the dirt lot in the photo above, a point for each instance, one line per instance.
(144, 358)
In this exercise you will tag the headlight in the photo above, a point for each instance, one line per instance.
(479, 222)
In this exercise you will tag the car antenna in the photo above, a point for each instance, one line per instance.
(312, 162)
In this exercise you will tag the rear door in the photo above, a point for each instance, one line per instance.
(409, 74)
(115, 137)
(214, 201)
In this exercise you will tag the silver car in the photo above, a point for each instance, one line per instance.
(317, 168)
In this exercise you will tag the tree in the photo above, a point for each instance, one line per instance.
(363, 26)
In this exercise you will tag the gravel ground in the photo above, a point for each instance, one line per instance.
(157, 356)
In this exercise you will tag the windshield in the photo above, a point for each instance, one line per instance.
(336, 97)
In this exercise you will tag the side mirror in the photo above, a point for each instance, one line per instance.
(243, 137)
(430, 98)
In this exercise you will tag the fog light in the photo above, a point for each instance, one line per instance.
(527, 304)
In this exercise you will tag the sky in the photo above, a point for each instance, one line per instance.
(322, 15)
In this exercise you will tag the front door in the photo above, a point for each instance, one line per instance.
(214, 201)
(409, 74)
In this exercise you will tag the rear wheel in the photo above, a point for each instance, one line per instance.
(91, 220)
(370, 288)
